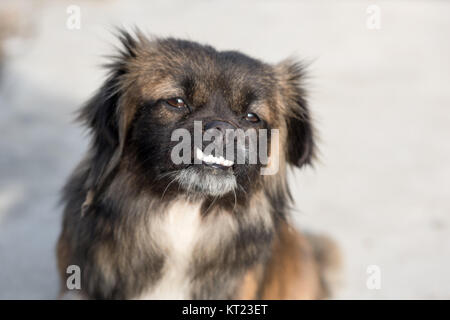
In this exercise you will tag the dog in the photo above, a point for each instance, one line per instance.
(140, 226)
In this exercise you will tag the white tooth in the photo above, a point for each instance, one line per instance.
(199, 154)
(208, 159)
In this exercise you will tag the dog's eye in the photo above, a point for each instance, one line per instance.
(176, 103)
(251, 117)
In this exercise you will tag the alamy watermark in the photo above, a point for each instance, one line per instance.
(73, 281)
(373, 21)
(227, 147)
(373, 281)
(73, 21)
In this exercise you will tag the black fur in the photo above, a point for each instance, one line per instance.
(125, 181)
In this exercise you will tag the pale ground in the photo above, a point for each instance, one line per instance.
(380, 97)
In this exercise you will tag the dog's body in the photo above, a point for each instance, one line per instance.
(141, 227)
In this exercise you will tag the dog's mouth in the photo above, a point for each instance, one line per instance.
(209, 175)
(212, 161)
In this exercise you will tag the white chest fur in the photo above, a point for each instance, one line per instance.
(178, 230)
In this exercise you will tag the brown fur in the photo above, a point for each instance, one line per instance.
(294, 270)
(120, 199)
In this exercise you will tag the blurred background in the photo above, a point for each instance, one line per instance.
(379, 91)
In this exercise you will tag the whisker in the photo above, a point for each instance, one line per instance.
(173, 180)
(215, 198)
(235, 200)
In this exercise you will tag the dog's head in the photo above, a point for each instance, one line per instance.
(173, 112)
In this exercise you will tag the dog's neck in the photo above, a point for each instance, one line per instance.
(196, 246)
(181, 234)
(176, 232)
(171, 250)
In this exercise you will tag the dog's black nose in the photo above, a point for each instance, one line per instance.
(222, 126)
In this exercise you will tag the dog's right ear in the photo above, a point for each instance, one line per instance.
(105, 115)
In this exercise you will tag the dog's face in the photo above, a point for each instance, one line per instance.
(170, 99)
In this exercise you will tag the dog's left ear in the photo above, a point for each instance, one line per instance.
(300, 148)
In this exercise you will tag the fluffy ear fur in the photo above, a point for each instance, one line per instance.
(300, 148)
(106, 118)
